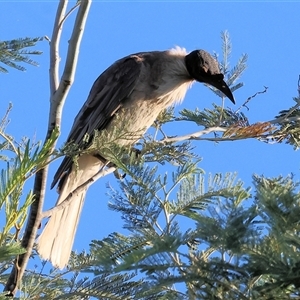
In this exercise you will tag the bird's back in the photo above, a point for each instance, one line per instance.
(136, 88)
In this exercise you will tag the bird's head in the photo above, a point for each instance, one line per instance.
(204, 68)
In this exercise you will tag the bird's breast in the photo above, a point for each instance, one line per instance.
(139, 112)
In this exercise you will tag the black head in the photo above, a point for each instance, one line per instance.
(204, 68)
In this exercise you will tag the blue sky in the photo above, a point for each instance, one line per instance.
(267, 31)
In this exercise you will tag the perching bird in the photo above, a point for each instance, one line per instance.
(137, 88)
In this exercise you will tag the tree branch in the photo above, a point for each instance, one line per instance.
(10, 142)
(102, 172)
(191, 136)
(57, 98)
(54, 47)
(285, 118)
(250, 98)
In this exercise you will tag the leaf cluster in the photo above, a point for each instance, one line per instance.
(19, 161)
(12, 53)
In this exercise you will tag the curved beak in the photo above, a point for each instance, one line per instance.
(223, 87)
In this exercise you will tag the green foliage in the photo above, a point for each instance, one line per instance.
(27, 159)
(217, 116)
(19, 162)
(289, 129)
(8, 251)
(235, 73)
(161, 256)
(186, 234)
(54, 286)
(12, 52)
(239, 248)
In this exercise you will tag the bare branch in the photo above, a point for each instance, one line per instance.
(57, 100)
(191, 136)
(198, 135)
(70, 12)
(250, 98)
(54, 45)
(102, 172)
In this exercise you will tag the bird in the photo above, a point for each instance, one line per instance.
(133, 90)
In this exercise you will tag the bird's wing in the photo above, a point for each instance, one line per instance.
(108, 93)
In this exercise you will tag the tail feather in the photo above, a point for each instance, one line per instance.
(56, 241)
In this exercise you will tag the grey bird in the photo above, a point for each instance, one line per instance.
(135, 88)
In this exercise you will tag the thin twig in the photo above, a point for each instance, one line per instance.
(5, 121)
(251, 97)
(69, 13)
(191, 136)
(9, 141)
(85, 185)
(299, 86)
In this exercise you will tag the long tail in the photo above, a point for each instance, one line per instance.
(56, 241)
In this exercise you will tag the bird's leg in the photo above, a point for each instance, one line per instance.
(135, 154)
(117, 174)
(135, 151)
